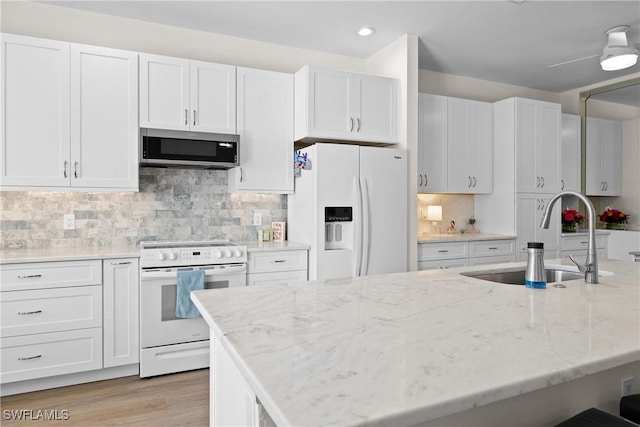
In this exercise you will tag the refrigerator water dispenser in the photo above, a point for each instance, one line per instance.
(338, 227)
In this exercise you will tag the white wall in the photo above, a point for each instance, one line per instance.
(67, 24)
(479, 90)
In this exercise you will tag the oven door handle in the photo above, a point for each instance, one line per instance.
(231, 269)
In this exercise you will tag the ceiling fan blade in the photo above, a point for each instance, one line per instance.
(573, 60)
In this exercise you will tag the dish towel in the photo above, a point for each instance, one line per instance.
(188, 280)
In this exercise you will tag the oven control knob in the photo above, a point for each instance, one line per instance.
(161, 256)
(173, 256)
(219, 254)
(238, 253)
(227, 253)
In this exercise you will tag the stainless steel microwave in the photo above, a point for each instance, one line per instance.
(184, 149)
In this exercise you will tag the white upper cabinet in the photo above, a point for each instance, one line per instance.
(104, 118)
(344, 106)
(530, 210)
(70, 116)
(35, 112)
(570, 153)
(455, 145)
(181, 94)
(432, 143)
(537, 141)
(265, 126)
(604, 157)
(470, 146)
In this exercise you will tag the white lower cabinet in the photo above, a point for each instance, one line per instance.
(52, 330)
(68, 317)
(121, 307)
(44, 355)
(277, 266)
(444, 255)
(577, 244)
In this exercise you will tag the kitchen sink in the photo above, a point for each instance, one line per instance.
(516, 277)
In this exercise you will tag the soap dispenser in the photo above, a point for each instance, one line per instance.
(534, 276)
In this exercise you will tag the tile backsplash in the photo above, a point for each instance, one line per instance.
(176, 204)
(455, 207)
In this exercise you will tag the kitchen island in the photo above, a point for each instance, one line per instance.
(422, 348)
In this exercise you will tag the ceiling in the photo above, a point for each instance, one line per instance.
(510, 42)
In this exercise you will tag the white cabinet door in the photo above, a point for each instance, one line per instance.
(330, 104)
(375, 108)
(338, 105)
(213, 97)
(548, 150)
(265, 126)
(104, 118)
(432, 143)
(604, 157)
(570, 153)
(35, 112)
(120, 296)
(529, 212)
(164, 92)
(537, 146)
(470, 146)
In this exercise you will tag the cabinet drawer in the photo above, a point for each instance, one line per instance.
(16, 277)
(46, 355)
(444, 264)
(50, 310)
(276, 277)
(581, 242)
(435, 251)
(492, 247)
(264, 262)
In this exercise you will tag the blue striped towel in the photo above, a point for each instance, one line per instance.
(188, 280)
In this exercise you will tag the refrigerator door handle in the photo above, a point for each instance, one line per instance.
(366, 232)
(358, 228)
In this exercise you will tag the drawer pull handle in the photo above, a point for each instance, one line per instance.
(29, 276)
(277, 261)
(443, 251)
(583, 243)
(37, 356)
(26, 313)
(121, 263)
(493, 249)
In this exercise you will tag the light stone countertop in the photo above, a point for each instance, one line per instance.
(255, 246)
(405, 348)
(461, 237)
(19, 256)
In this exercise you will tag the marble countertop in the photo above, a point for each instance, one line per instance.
(405, 348)
(461, 237)
(19, 256)
(67, 254)
(255, 246)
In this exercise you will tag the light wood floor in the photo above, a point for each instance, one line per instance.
(180, 399)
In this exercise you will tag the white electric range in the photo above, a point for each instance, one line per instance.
(168, 343)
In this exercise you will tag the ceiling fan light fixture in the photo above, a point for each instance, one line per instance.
(617, 55)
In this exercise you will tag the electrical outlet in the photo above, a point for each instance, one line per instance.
(627, 386)
(69, 222)
(257, 218)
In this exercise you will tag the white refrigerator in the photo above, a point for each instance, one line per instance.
(350, 207)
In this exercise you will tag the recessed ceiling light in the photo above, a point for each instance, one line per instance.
(366, 31)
